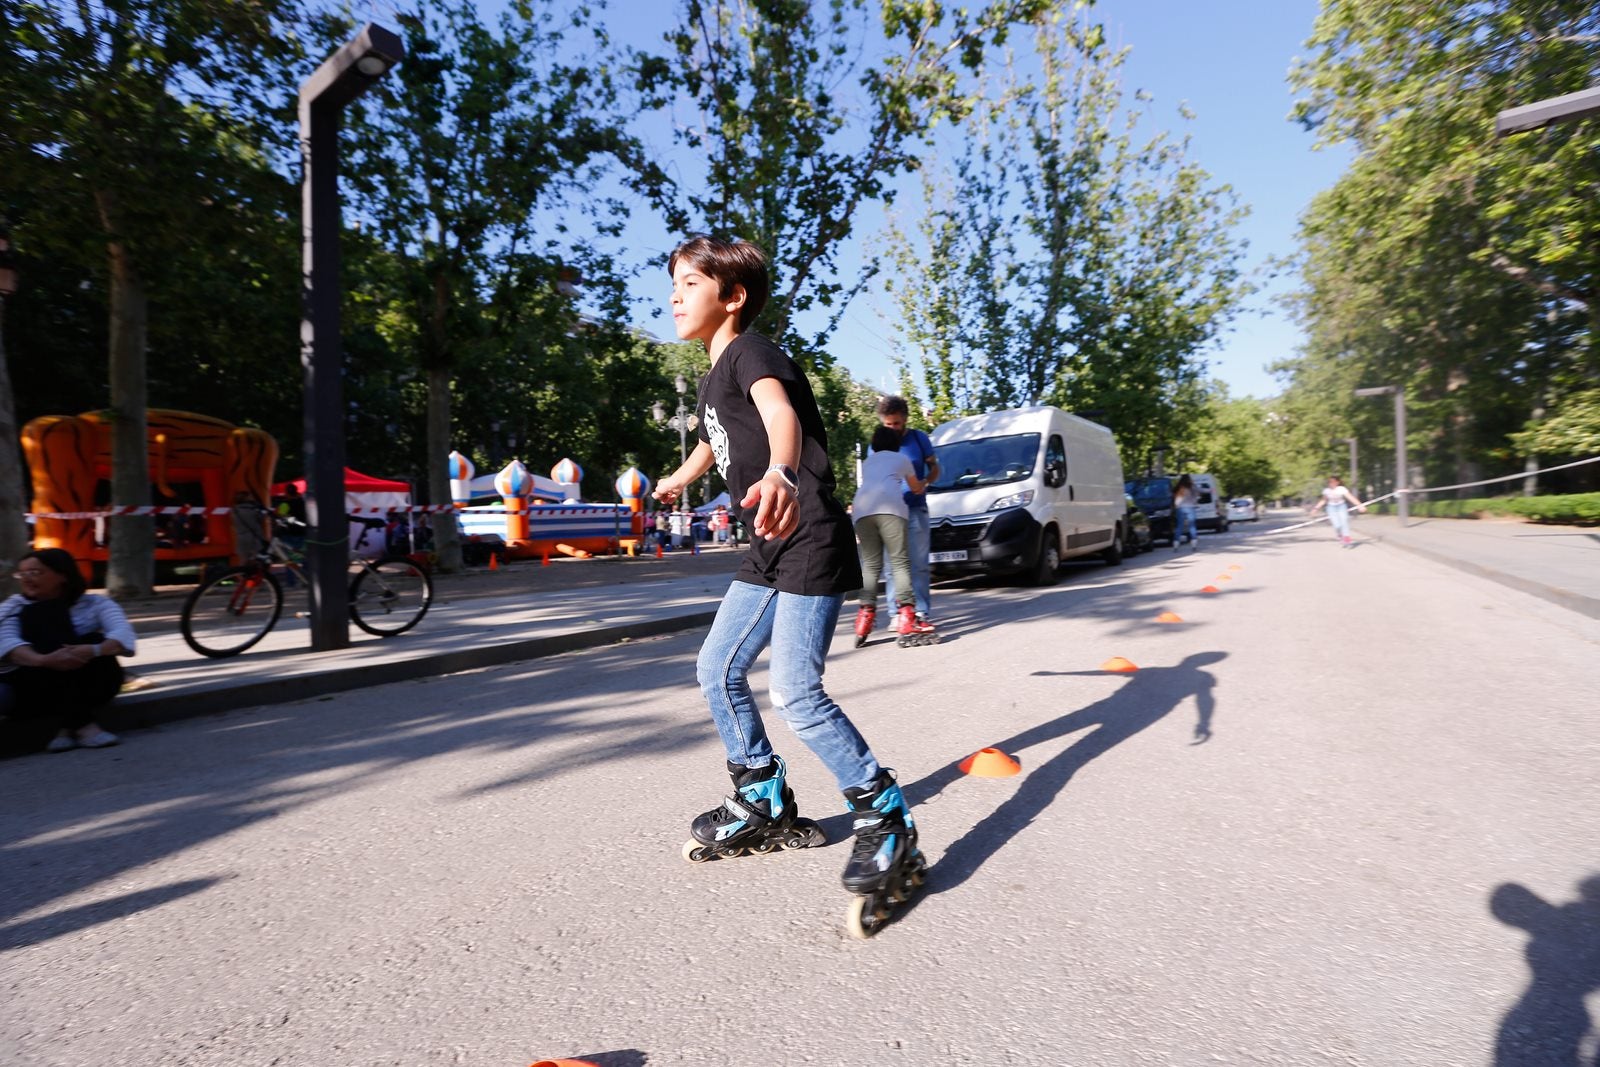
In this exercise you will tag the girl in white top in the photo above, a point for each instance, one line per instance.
(1338, 500)
(880, 516)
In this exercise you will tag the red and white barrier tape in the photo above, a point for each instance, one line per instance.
(415, 509)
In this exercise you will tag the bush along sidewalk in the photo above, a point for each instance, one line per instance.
(1576, 509)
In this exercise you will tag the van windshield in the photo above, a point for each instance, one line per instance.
(985, 461)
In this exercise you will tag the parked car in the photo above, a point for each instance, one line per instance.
(1021, 490)
(1153, 496)
(1136, 527)
(1243, 509)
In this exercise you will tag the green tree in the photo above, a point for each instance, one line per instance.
(1459, 266)
(141, 124)
(470, 163)
(1067, 258)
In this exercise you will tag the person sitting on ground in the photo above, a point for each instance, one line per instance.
(61, 645)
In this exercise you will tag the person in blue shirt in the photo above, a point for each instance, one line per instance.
(915, 446)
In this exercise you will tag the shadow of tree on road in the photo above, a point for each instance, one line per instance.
(1147, 698)
(1550, 1026)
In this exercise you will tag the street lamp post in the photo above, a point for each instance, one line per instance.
(13, 528)
(341, 78)
(1351, 441)
(682, 386)
(1569, 108)
(1401, 486)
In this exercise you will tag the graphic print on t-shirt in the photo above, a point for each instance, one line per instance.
(718, 438)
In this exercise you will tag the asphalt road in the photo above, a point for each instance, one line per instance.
(1344, 814)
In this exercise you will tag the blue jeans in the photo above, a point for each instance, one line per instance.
(1184, 520)
(917, 544)
(1339, 516)
(799, 629)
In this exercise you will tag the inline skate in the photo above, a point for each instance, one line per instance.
(866, 618)
(759, 816)
(914, 629)
(885, 865)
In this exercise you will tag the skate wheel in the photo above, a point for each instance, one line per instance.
(860, 641)
(861, 923)
(765, 848)
(695, 852)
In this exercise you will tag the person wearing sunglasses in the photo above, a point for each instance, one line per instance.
(59, 646)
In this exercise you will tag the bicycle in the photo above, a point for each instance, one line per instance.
(230, 611)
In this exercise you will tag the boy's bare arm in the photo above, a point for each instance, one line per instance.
(778, 513)
(699, 461)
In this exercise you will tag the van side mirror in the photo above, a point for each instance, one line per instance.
(1055, 474)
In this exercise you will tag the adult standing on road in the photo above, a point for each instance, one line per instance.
(1339, 500)
(1184, 501)
(63, 644)
(918, 448)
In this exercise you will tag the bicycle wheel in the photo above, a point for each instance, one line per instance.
(228, 613)
(390, 596)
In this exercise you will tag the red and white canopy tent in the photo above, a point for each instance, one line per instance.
(362, 492)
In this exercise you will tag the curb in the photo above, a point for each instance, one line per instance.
(1566, 598)
(154, 708)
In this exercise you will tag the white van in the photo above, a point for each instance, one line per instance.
(1211, 503)
(1021, 490)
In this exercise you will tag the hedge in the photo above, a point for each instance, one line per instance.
(1577, 509)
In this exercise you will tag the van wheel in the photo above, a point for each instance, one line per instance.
(1113, 555)
(1048, 560)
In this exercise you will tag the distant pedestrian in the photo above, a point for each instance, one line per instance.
(1339, 500)
(1184, 501)
(719, 524)
(879, 511)
(917, 447)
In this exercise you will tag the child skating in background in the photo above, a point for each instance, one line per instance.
(1338, 500)
(879, 511)
(760, 425)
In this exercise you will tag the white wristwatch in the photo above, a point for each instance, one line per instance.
(784, 471)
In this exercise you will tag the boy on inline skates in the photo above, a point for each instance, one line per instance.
(760, 425)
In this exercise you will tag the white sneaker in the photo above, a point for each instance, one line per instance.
(61, 743)
(103, 739)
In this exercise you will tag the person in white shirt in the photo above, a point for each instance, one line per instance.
(880, 516)
(59, 646)
(1338, 500)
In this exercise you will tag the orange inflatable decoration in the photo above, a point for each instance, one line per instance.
(70, 457)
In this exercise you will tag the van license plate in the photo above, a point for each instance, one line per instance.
(948, 557)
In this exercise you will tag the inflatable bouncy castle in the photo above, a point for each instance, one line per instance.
(195, 462)
(529, 519)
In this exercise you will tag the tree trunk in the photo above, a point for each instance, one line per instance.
(446, 543)
(130, 570)
(13, 529)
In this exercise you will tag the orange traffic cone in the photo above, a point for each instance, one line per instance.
(1118, 665)
(1167, 616)
(494, 561)
(1235, 567)
(1210, 589)
(990, 763)
(545, 560)
(565, 1063)
(659, 553)
(1224, 577)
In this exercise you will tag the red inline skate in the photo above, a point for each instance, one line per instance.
(866, 618)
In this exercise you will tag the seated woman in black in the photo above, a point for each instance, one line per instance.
(62, 644)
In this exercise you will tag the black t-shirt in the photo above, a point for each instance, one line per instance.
(819, 558)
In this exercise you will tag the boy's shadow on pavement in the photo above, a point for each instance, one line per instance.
(1143, 701)
(1550, 1025)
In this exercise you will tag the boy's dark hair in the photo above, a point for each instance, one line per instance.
(885, 440)
(730, 261)
(893, 405)
(61, 561)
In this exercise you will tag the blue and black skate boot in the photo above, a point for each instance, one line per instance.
(759, 816)
(885, 865)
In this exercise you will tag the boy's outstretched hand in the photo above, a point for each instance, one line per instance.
(778, 513)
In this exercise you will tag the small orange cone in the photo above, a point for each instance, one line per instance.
(659, 553)
(1235, 567)
(545, 560)
(494, 561)
(1167, 616)
(1118, 665)
(1224, 577)
(990, 763)
(1210, 589)
(564, 1063)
